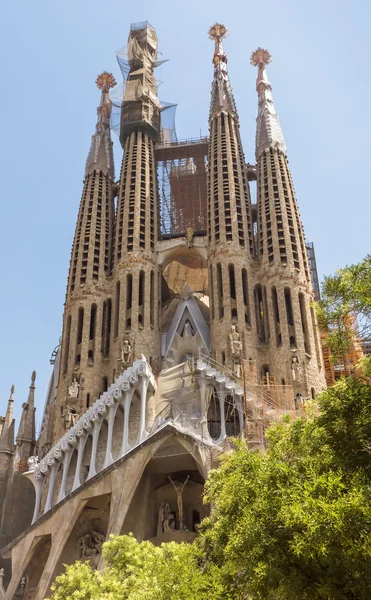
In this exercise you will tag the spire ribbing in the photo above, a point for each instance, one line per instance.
(100, 157)
(268, 132)
(7, 432)
(26, 430)
(221, 92)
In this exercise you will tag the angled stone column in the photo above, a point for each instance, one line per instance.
(66, 464)
(38, 482)
(111, 421)
(53, 474)
(80, 453)
(221, 397)
(96, 430)
(143, 386)
(127, 403)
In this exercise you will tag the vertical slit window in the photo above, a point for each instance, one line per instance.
(129, 300)
(220, 290)
(67, 344)
(92, 327)
(211, 292)
(232, 292)
(290, 318)
(304, 322)
(141, 298)
(117, 309)
(93, 320)
(232, 281)
(276, 316)
(106, 327)
(246, 301)
(152, 300)
(80, 325)
(260, 314)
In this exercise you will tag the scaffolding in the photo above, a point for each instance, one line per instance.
(263, 403)
(182, 170)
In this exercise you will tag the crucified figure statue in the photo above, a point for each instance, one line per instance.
(179, 487)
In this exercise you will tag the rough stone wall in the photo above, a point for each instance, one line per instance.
(291, 351)
(230, 248)
(136, 272)
(87, 319)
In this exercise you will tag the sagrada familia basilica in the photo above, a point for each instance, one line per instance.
(188, 320)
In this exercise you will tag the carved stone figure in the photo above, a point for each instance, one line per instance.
(70, 417)
(163, 524)
(179, 487)
(126, 353)
(73, 389)
(190, 232)
(169, 523)
(90, 545)
(32, 463)
(235, 343)
(296, 369)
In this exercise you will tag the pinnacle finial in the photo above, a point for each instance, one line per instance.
(105, 81)
(33, 376)
(218, 31)
(11, 398)
(260, 56)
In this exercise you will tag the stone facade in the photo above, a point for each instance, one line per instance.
(150, 380)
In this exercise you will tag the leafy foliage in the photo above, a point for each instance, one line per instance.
(295, 522)
(141, 571)
(346, 299)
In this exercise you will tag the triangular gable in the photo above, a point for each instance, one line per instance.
(188, 309)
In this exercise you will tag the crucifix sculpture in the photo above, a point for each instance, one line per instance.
(179, 487)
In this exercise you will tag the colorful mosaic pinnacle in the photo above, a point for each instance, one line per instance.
(105, 81)
(218, 31)
(260, 56)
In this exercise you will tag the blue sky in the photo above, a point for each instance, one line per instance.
(51, 53)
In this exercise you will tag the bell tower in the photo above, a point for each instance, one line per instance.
(86, 338)
(136, 273)
(230, 237)
(292, 352)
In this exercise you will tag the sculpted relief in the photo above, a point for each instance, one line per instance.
(89, 546)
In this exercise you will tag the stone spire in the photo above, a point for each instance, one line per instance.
(7, 433)
(221, 92)
(268, 132)
(26, 430)
(87, 312)
(100, 157)
(230, 239)
(136, 272)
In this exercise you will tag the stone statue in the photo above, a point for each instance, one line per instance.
(126, 353)
(295, 369)
(73, 389)
(32, 463)
(169, 523)
(190, 232)
(235, 346)
(179, 487)
(165, 523)
(235, 343)
(90, 545)
(70, 417)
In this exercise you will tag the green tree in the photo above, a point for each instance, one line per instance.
(142, 571)
(294, 522)
(346, 300)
